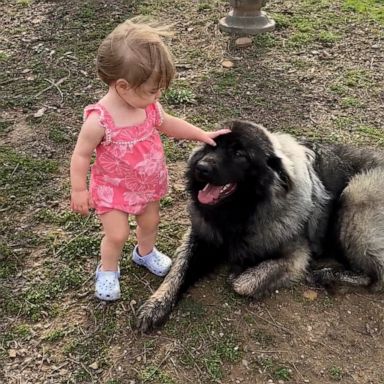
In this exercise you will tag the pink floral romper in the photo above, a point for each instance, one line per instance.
(130, 169)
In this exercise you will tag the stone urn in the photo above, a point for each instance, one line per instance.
(246, 17)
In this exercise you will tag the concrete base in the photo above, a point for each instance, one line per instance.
(250, 25)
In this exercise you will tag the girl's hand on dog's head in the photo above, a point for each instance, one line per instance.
(212, 135)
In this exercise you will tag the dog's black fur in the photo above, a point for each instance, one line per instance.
(267, 205)
(230, 219)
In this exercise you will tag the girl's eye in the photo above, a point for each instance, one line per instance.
(154, 91)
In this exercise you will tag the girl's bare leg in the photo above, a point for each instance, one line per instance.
(147, 225)
(116, 232)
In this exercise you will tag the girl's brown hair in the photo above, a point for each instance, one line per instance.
(134, 51)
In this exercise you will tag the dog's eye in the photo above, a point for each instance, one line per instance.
(239, 153)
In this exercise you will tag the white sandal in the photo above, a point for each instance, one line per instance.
(107, 285)
(156, 262)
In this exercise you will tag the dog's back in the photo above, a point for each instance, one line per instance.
(337, 164)
(353, 178)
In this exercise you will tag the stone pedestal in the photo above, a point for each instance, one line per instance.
(246, 17)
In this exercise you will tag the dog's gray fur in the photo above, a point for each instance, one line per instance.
(335, 192)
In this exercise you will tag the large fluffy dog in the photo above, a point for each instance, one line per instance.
(267, 206)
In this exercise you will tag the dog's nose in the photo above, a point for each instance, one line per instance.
(203, 168)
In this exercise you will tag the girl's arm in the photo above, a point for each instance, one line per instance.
(181, 129)
(90, 135)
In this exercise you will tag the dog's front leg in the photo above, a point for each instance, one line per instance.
(272, 274)
(185, 271)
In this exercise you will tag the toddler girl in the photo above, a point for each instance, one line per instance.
(129, 175)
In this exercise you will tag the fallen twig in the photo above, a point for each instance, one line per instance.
(69, 242)
(53, 84)
(5, 82)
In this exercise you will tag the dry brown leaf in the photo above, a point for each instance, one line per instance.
(94, 365)
(227, 64)
(310, 295)
(40, 112)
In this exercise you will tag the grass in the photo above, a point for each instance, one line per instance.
(81, 246)
(153, 374)
(175, 96)
(24, 3)
(282, 373)
(222, 352)
(335, 373)
(10, 262)
(367, 8)
(351, 102)
(20, 174)
(275, 369)
(3, 56)
(55, 335)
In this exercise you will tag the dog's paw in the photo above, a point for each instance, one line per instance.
(242, 285)
(151, 314)
(247, 284)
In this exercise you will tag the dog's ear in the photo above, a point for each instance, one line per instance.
(275, 163)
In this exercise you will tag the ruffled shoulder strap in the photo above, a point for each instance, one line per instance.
(156, 110)
(104, 119)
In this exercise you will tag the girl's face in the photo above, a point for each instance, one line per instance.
(139, 97)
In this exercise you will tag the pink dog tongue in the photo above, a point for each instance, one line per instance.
(209, 194)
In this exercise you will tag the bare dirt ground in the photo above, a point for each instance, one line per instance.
(320, 75)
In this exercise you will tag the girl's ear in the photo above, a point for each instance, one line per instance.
(122, 84)
(275, 163)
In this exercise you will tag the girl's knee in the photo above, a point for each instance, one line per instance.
(117, 237)
(116, 227)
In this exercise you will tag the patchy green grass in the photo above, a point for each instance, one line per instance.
(153, 374)
(371, 133)
(4, 56)
(39, 300)
(24, 3)
(176, 150)
(81, 246)
(335, 373)
(177, 96)
(369, 8)
(221, 349)
(350, 101)
(55, 335)
(20, 174)
(282, 373)
(66, 219)
(9, 261)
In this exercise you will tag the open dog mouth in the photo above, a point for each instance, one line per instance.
(212, 194)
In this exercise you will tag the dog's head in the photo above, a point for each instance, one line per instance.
(244, 163)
